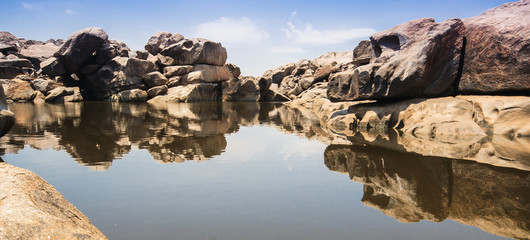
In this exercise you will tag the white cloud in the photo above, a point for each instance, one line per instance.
(293, 14)
(309, 35)
(231, 30)
(287, 50)
(71, 12)
(28, 6)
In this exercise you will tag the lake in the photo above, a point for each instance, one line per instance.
(254, 171)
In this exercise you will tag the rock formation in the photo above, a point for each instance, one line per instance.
(7, 118)
(33, 209)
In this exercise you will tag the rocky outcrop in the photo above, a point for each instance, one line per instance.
(419, 58)
(196, 51)
(79, 47)
(498, 51)
(196, 92)
(7, 118)
(33, 209)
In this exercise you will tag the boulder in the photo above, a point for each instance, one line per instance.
(121, 73)
(142, 54)
(11, 67)
(7, 118)
(323, 73)
(196, 51)
(174, 81)
(197, 92)
(154, 79)
(158, 90)
(52, 67)
(38, 97)
(9, 43)
(362, 53)
(172, 71)
(58, 93)
(235, 70)
(111, 50)
(419, 58)
(497, 58)
(19, 91)
(133, 95)
(43, 85)
(161, 40)
(75, 97)
(202, 73)
(39, 51)
(79, 47)
(244, 89)
(276, 76)
(32, 209)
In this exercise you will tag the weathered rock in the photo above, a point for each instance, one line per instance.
(9, 43)
(57, 93)
(162, 40)
(154, 79)
(196, 51)
(79, 47)
(38, 97)
(121, 73)
(44, 85)
(242, 89)
(497, 57)
(158, 90)
(13, 66)
(273, 96)
(276, 76)
(203, 73)
(235, 70)
(75, 97)
(322, 73)
(362, 53)
(33, 209)
(419, 58)
(7, 118)
(39, 51)
(133, 95)
(18, 62)
(174, 81)
(333, 58)
(88, 69)
(165, 60)
(111, 50)
(52, 67)
(142, 54)
(19, 91)
(198, 92)
(172, 71)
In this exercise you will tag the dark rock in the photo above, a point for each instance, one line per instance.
(7, 118)
(235, 70)
(497, 57)
(242, 89)
(419, 58)
(44, 86)
(158, 90)
(79, 47)
(52, 67)
(121, 73)
(9, 43)
(196, 51)
(161, 40)
(142, 54)
(111, 50)
(154, 79)
(362, 53)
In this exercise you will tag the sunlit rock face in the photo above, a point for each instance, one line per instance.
(7, 118)
(411, 188)
(32, 209)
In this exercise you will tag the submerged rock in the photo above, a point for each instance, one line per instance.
(32, 209)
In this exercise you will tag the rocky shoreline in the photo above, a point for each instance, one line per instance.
(406, 89)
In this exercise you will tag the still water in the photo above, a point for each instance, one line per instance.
(254, 171)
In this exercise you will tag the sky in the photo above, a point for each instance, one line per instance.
(258, 35)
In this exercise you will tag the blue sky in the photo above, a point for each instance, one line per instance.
(258, 35)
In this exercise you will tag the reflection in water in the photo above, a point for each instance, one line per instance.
(96, 133)
(410, 188)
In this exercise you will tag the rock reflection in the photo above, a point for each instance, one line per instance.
(96, 133)
(410, 188)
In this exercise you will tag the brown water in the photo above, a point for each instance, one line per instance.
(254, 171)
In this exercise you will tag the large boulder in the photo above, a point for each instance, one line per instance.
(154, 79)
(197, 92)
(243, 89)
(43, 85)
(120, 73)
(196, 51)
(39, 52)
(10, 68)
(362, 53)
(202, 73)
(111, 50)
(161, 40)
(52, 67)
(19, 91)
(497, 57)
(7, 118)
(419, 58)
(32, 209)
(9, 43)
(80, 46)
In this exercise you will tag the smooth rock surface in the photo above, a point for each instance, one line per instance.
(32, 209)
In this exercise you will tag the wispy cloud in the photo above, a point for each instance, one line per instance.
(310, 35)
(28, 6)
(71, 12)
(287, 50)
(231, 30)
(293, 14)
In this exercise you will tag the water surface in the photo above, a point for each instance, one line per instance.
(254, 171)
